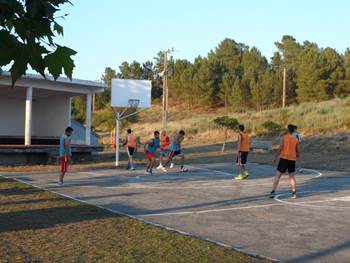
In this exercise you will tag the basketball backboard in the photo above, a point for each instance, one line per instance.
(126, 90)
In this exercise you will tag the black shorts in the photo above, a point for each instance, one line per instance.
(286, 165)
(131, 151)
(174, 153)
(243, 156)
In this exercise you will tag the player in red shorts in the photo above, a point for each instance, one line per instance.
(151, 147)
(65, 152)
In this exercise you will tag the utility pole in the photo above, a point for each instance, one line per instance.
(284, 87)
(165, 91)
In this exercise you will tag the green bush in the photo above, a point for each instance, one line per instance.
(272, 127)
(226, 122)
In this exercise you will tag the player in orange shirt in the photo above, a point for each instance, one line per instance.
(164, 149)
(288, 153)
(243, 147)
(131, 143)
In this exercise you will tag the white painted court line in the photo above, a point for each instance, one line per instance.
(311, 203)
(212, 210)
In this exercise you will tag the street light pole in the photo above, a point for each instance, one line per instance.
(284, 87)
(165, 91)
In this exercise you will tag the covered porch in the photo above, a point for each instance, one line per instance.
(36, 111)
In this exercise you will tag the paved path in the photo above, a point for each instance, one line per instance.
(207, 203)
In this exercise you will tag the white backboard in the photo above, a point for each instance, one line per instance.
(125, 89)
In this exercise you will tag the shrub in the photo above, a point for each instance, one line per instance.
(226, 122)
(272, 127)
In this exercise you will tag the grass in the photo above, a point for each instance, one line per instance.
(38, 226)
(312, 119)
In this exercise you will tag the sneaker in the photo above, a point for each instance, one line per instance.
(172, 165)
(183, 169)
(164, 170)
(132, 169)
(160, 167)
(147, 173)
(245, 175)
(272, 194)
(294, 195)
(239, 177)
(59, 183)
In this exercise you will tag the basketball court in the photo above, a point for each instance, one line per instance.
(206, 202)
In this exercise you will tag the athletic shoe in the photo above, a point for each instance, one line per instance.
(132, 169)
(147, 173)
(239, 177)
(272, 194)
(172, 165)
(294, 195)
(59, 183)
(245, 175)
(183, 169)
(159, 167)
(164, 170)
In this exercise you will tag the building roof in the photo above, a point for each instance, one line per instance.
(64, 84)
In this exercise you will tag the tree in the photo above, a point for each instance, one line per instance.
(226, 89)
(290, 50)
(226, 123)
(238, 98)
(202, 83)
(27, 32)
(104, 99)
(312, 86)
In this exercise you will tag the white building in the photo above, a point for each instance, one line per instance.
(40, 109)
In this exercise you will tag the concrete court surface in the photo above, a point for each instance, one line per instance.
(206, 202)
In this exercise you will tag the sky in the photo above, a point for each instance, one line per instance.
(107, 32)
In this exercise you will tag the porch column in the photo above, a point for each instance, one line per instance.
(28, 117)
(88, 119)
(70, 112)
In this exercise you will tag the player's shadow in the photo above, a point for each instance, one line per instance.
(318, 255)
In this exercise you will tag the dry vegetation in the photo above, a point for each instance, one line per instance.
(328, 117)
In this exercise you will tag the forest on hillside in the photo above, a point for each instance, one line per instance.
(240, 78)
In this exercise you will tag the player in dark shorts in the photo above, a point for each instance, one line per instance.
(131, 143)
(243, 147)
(288, 153)
(175, 150)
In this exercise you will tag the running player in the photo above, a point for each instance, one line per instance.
(151, 147)
(131, 147)
(288, 153)
(65, 153)
(176, 150)
(164, 149)
(243, 146)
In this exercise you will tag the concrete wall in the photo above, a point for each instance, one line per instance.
(50, 116)
(12, 117)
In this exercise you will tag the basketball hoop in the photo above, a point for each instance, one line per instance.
(133, 103)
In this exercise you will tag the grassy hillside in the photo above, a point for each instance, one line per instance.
(326, 117)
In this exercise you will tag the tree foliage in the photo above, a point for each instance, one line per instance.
(27, 32)
(240, 78)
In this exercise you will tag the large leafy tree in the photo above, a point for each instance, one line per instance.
(27, 32)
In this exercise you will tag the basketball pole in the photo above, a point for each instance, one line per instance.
(118, 118)
(117, 131)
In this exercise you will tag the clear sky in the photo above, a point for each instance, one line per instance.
(108, 32)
